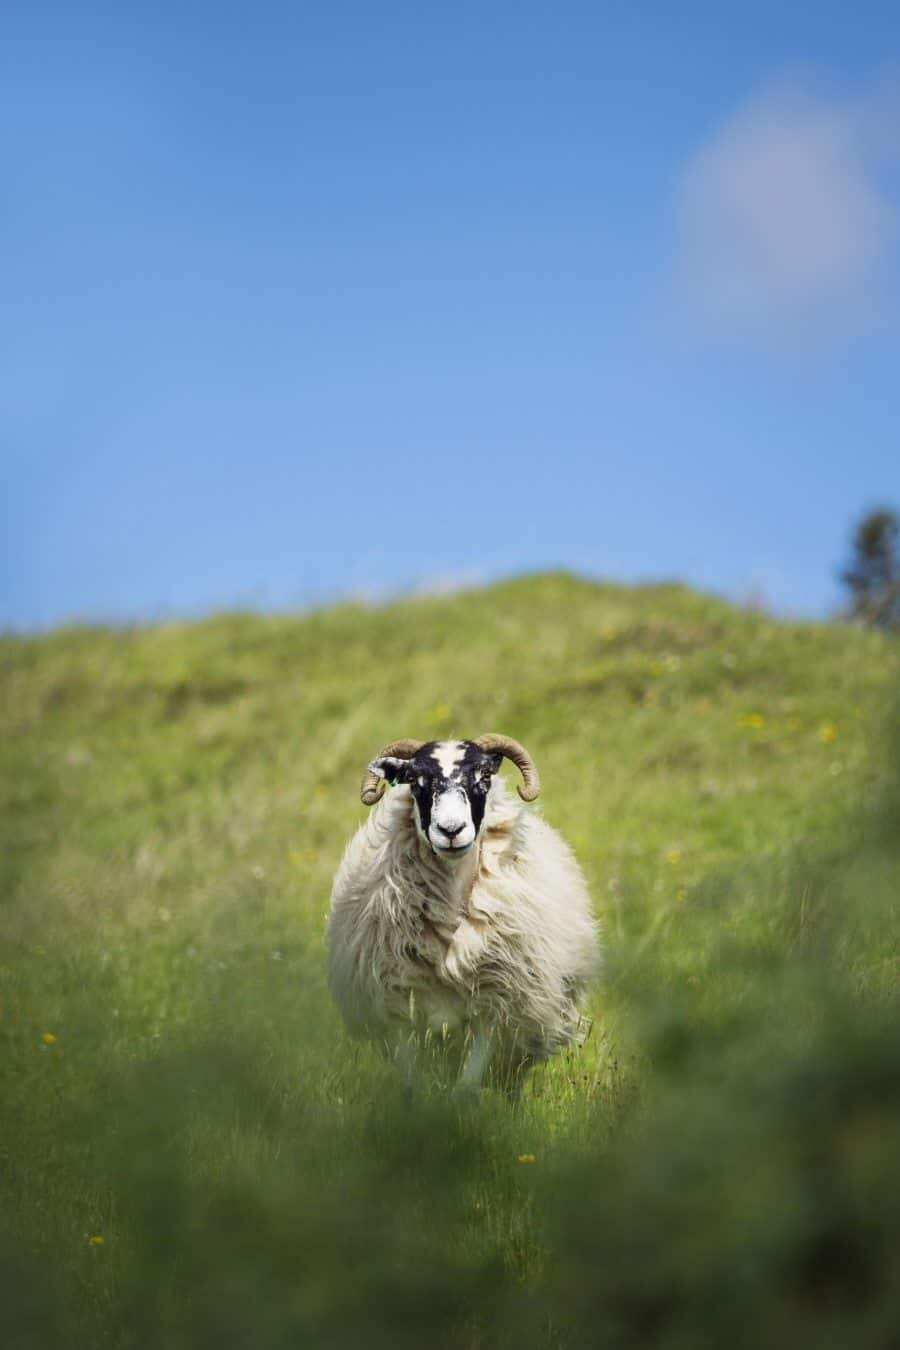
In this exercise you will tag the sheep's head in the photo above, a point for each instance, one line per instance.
(449, 781)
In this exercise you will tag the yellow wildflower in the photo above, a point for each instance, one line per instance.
(674, 856)
(526, 1157)
(48, 1038)
(681, 895)
(96, 1240)
(299, 857)
(827, 733)
(441, 712)
(753, 720)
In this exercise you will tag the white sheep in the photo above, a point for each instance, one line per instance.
(457, 911)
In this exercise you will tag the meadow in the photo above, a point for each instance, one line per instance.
(193, 1154)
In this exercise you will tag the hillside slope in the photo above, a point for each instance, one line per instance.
(191, 766)
(176, 798)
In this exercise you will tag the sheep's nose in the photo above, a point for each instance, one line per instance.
(451, 831)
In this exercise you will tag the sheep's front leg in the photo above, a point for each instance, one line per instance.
(477, 1062)
(405, 1054)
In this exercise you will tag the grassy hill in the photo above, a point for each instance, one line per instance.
(194, 1154)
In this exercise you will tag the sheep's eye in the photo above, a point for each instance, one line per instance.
(421, 781)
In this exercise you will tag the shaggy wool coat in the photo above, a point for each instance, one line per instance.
(502, 942)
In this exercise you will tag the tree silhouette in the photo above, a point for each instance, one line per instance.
(873, 573)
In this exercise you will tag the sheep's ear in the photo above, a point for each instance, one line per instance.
(392, 768)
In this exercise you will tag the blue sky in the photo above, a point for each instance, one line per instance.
(308, 300)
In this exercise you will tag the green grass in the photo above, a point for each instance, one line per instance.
(720, 1162)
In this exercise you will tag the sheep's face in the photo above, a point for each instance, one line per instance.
(449, 781)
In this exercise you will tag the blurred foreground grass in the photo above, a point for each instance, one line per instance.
(192, 1153)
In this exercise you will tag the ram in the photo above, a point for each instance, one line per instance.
(458, 912)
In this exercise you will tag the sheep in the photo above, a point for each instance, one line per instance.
(459, 913)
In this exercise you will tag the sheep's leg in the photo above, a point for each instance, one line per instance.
(510, 1066)
(406, 1057)
(512, 1081)
(477, 1062)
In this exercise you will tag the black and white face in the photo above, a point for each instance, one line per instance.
(449, 781)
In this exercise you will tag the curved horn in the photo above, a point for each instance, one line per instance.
(505, 745)
(373, 786)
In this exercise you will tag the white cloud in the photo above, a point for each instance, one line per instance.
(786, 222)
